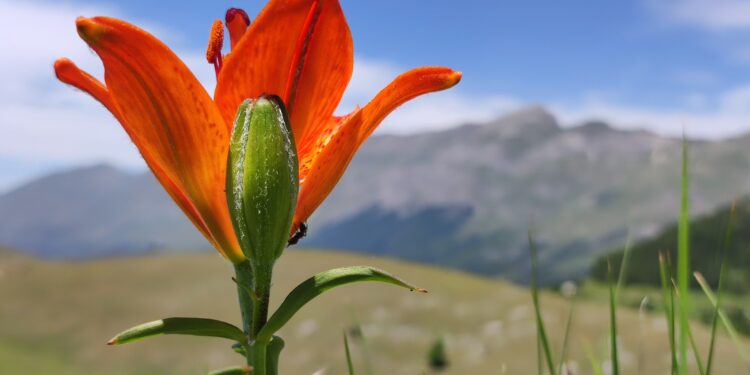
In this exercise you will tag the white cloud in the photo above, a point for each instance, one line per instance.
(43, 120)
(728, 117)
(714, 15)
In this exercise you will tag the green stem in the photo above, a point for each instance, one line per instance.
(260, 357)
(244, 281)
(262, 289)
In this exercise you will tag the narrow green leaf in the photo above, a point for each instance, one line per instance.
(624, 264)
(667, 297)
(179, 326)
(724, 319)
(596, 367)
(566, 335)
(274, 351)
(537, 309)
(363, 343)
(722, 268)
(232, 371)
(320, 283)
(612, 321)
(683, 259)
(349, 364)
(693, 346)
(642, 333)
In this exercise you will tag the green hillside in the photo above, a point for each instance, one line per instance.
(707, 235)
(55, 318)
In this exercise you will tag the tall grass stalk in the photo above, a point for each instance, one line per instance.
(566, 335)
(665, 274)
(733, 334)
(596, 366)
(683, 260)
(691, 340)
(541, 332)
(612, 321)
(349, 364)
(720, 286)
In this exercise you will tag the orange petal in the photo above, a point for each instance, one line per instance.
(405, 87)
(321, 169)
(66, 71)
(322, 165)
(169, 117)
(300, 50)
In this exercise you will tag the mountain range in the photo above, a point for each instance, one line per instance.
(465, 197)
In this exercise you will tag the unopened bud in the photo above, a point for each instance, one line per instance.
(262, 179)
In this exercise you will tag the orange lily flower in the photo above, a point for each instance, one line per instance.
(300, 50)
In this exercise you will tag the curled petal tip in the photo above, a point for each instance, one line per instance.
(449, 76)
(62, 65)
(89, 30)
(66, 70)
(455, 78)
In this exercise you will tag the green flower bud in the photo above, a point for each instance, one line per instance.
(262, 179)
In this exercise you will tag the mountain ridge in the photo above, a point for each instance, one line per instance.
(582, 189)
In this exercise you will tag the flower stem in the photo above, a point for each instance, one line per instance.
(244, 280)
(262, 290)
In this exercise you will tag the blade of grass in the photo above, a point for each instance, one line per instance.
(348, 355)
(693, 346)
(624, 264)
(596, 367)
(364, 346)
(683, 258)
(566, 335)
(720, 286)
(537, 309)
(642, 333)
(539, 355)
(723, 317)
(612, 321)
(668, 301)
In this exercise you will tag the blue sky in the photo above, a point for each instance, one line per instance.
(655, 64)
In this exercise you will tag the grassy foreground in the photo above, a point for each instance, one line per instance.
(55, 318)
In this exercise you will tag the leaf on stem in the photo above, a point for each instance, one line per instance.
(179, 326)
(316, 285)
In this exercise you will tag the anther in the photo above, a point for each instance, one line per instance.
(215, 43)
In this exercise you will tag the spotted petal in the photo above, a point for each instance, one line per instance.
(324, 162)
(300, 50)
(170, 118)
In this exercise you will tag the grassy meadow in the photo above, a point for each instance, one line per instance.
(56, 317)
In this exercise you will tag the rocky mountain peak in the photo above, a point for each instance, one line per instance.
(534, 120)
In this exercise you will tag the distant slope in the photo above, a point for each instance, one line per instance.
(707, 234)
(93, 211)
(56, 318)
(463, 198)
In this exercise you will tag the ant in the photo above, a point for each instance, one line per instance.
(298, 235)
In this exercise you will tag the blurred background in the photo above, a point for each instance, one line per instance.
(569, 120)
